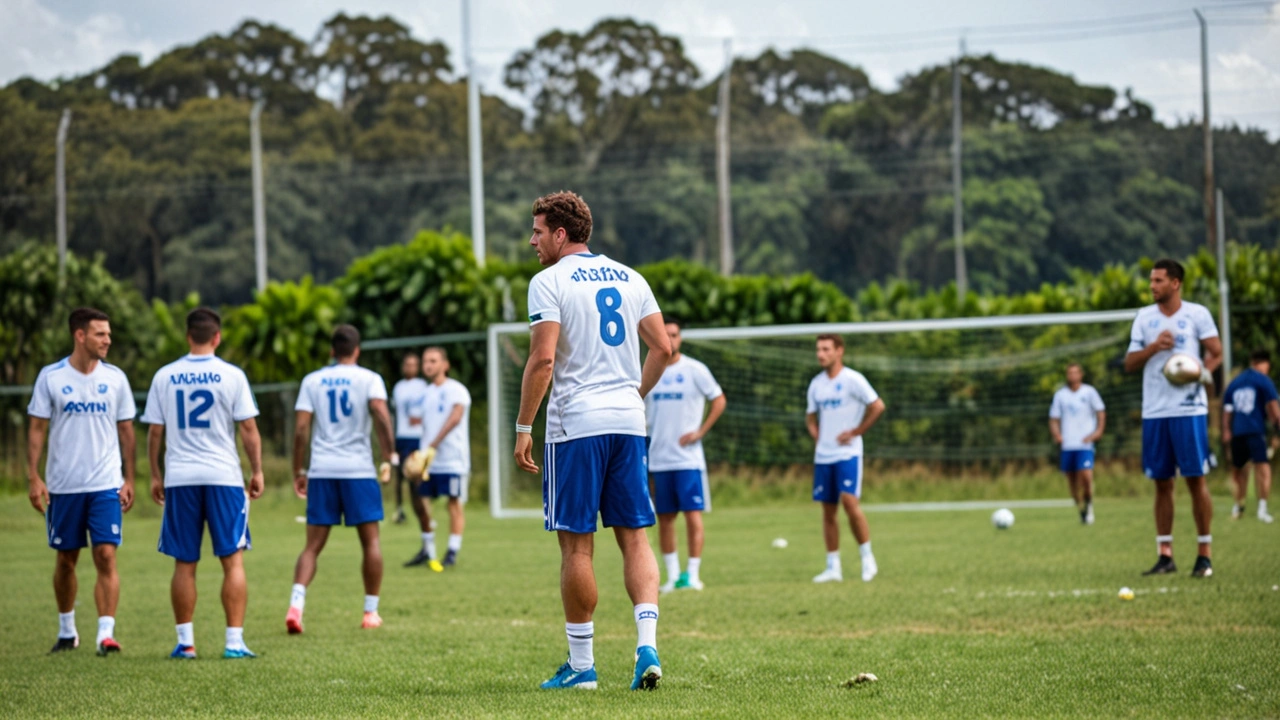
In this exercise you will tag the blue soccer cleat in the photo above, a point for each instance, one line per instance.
(568, 678)
(648, 670)
(184, 652)
(236, 653)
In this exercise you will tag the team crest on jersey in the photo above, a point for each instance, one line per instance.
(1153, 324)
(839, 387)
(102, 388)
(66, 390)
(1182, 324)
(679, 378)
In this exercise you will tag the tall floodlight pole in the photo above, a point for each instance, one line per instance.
(1224, 291)
(259, 200)
(723, 198)
(61, 179)
(957, 212)
(1209, 214)
(473, 136)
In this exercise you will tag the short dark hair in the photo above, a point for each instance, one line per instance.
(673, 320)
(444, 354)
(409, 355)
(1075, 365)
(1260, 355)
(1171, 267)
(835, 340)
(81, 317)
(202, 325)
(346, 340)
(566, 210)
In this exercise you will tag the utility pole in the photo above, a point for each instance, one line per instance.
(61, 190)
(259, 199)
(475, 152)
(1224, 292)
(957, 181)
(1209, 214)
(723, 199)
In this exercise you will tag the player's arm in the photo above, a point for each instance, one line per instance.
(811, 422)
(717, 409)
(129, 447)
(301, 439)
(1135, 359)
(533, 387)
(1055, 429)
(252, 440)
(869, 418)
(451, 422)
(1096, 435)
(1273, 411)
(654, 333)
(37, 492)
(1212, 353)
(382, 428)
(155, 440)
(1227, 416)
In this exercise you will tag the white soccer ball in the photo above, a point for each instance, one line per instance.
(1002, 519)
(1182, 369)
(1125, 593)
(780, 543)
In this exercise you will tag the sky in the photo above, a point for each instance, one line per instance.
(1151, 46)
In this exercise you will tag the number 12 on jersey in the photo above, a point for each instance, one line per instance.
(202, 401)
(612, 328)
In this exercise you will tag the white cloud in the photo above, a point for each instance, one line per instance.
(36, 41)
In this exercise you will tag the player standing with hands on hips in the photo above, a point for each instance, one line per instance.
(86, 409)
(1175, 418)
(1250, 400)
(193, 407)
(588, 315)
(842, 407)
(1077, 418)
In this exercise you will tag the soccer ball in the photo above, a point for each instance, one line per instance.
(1126, 593)
(1182, 369)
(417, 463)
(1002, 519)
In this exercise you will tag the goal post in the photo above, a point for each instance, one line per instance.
(957, 390)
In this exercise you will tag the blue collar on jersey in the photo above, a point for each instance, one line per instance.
(200, 358)
(585, 254)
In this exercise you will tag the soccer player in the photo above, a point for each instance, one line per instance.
(1175, 428)
(446, 416)
(677, 465)
(407, 397)
(336, 406)
(588, 314)
(842, 407)
(1249, 401)
(194, 407)
(85, 407)
(1077, 418)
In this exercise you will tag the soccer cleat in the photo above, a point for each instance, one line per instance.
(108, 646)
(694, 584)
(372, 620)
(648, 670)
(829, 575)
(237, 653)
(1265, 517)
(399, 517)
(451, 558)
(869, 569)
(1164, 566)
(420, 559)
(566, 678)
(183, 652)
(63, 644)
(683, 582)
(669, 586)
(1237, 512)
(435, 566)
(293, 621)
(1203, 568)
(1088, 516)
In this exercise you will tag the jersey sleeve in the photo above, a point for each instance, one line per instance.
(860, 389)
(811, 402)
(1205, 326)
(459, 395)
(648, 303)
(153, 413)
(1268, 389)
(244, 405)
(544, 301)
(1098, 405)
(377, 388)
(1136, 341)
(304, 402)
(127, 408)
(40, 406)
(706, 382)
(1055, 407)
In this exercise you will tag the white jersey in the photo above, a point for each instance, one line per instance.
(1191, 324)
(339, 396)
(408, 396)
(199, 399)
(83, 412)
(599, 304)
(1077, 413)
(840, 403)
(675, 408)
(453, 456)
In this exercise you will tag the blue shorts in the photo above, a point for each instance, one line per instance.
(680, 491)
(405, 446)
(605, 475)
(1248, 448)
(1177, 445)
(829, 480)
(332, 501)
(187, 509)
(1076, 460)
(72, 516)
(436, 484)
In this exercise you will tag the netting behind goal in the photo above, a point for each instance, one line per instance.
(959, 392)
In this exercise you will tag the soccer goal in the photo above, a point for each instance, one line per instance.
(959, 392)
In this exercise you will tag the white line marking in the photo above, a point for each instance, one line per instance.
(967, 505)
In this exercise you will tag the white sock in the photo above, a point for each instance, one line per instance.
(67, 625)
(371, 603)
(833, 560)
(106, 628)
(235, 638)
(695, 564)
(581, 653)
(1206, 539)
(646, 625)
(1161, 539)
(186, 634)
(672, 561)
(1262, 507)
(299, 597)
(429, 544)
(455, 543)
(864, 550)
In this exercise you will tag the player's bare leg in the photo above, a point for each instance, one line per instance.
(1262, 476)
(303, 573)
(182, 591)
(235, 589)
(1073, 482)
(1085, 479)
(667, 543)
(422, 508)
(861, 533)
(1163, 510)
(457, 523)
(65, 585)
(1202, 510)
(371, 571)
(1240, 489)
(577, 576)
(640, 572)
(106, 594)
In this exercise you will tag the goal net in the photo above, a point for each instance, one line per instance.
(962, 392)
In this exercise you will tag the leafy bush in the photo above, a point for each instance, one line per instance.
(285, 332)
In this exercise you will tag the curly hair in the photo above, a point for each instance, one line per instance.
(566, 210)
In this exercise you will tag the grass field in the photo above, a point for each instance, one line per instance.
(964, 620)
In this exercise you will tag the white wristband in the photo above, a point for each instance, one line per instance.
(524, 428)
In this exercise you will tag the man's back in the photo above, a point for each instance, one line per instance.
(1246, 399)
(339, 396)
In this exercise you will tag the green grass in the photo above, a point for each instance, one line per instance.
(964, 620)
